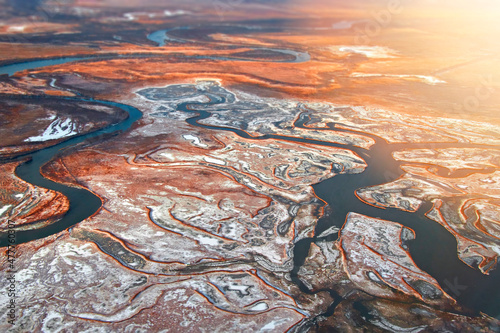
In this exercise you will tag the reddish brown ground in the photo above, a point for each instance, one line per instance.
(204, 231)
(27, 205)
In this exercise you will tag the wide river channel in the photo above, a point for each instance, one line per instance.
(434, 249)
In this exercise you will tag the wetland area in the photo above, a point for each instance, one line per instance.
(174, 170)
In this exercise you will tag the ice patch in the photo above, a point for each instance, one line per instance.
(57, 129)
(424, 78)
(214, 160)
(16, 28)
(242, 289)
(207, 241)
(169, 13)
(195, 140)
(261, 306)
(53, 322)
(367, 51)
(4, 209)
(330, 231)
(390, 327)
(272, 325)
(374, 277)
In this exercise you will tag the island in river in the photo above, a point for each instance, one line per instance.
(250, 166)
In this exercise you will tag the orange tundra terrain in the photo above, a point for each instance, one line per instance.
(271, 166)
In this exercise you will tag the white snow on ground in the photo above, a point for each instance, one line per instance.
(272, 325)
(136, 15)
(4, 209)
(195, 140)
(213, 160)
(237, 287)
(367, 51)
(16, 28)
(261, 306)
(58, 129)
(424, 78)
(207, 240)
(175, 12)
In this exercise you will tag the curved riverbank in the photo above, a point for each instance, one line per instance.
(83, 203)
(434, 249)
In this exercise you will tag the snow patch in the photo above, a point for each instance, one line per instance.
(261, 306)
(4, 209)
(330, 231)
(16, 28)
(169, 13)
(194, 140)
(57, 129)
(367, 51)
(214, 160)
(207, 240)
(272, 325)
(242, 289)
(424, 78)
(53, 322)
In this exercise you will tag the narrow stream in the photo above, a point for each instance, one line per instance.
(434, 250)
(161, 37)
(83, 203)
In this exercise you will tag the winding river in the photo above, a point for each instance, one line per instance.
(434, 249)
(83, 203)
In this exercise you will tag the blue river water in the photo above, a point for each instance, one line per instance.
(434, 250)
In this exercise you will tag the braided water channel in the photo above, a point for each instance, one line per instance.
(434, 249)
